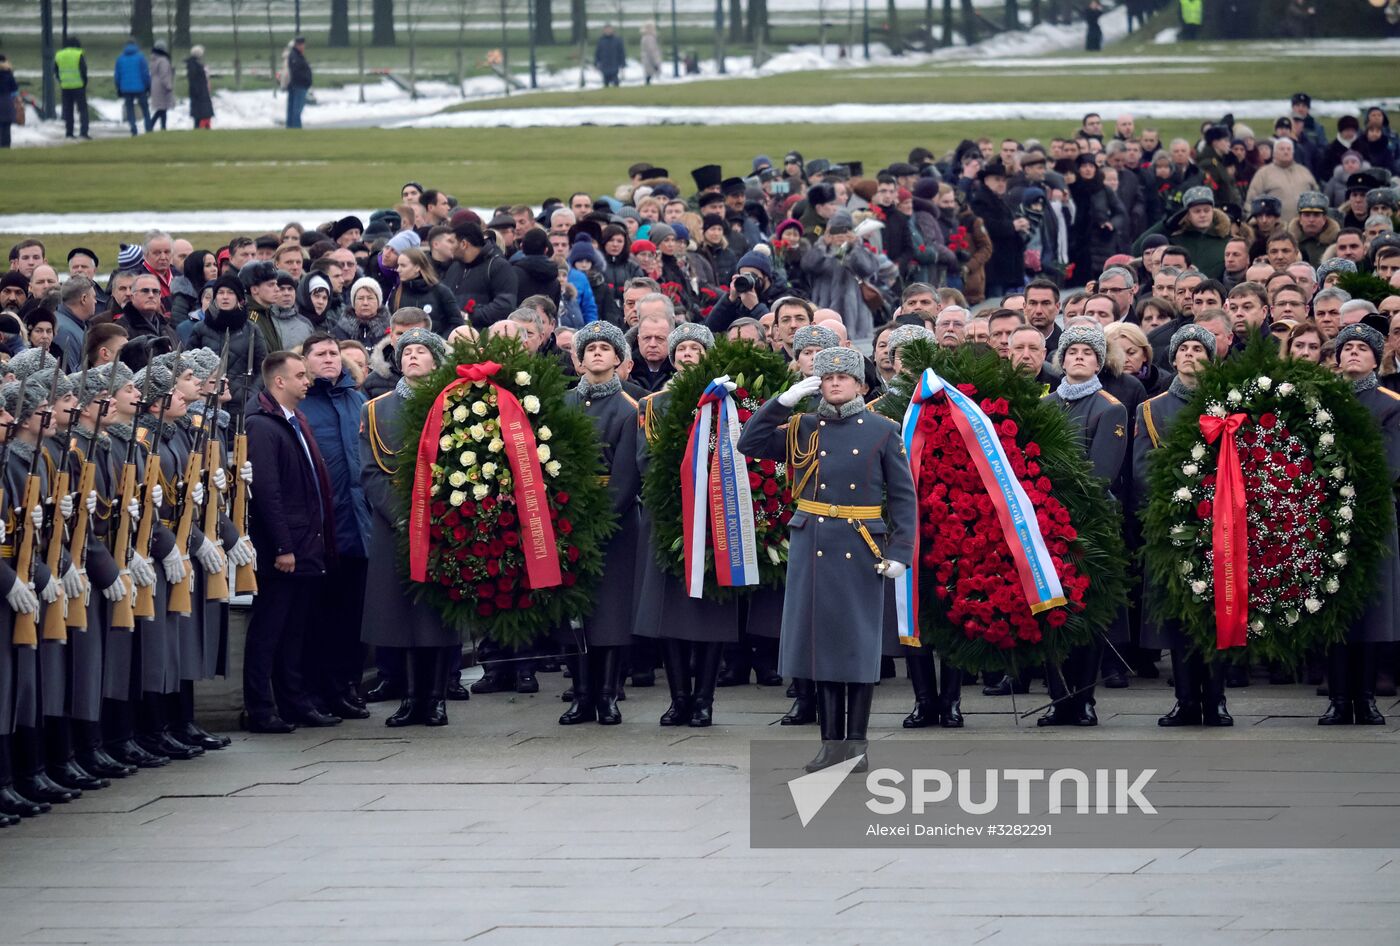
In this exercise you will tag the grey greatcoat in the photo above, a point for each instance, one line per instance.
(665, 608)
(615, 418)
(392, 618)
(19, 668)
(88, 645)
(204, 631)
(1380, 622)
(1155, 417)
(833, 612)
(161, 636)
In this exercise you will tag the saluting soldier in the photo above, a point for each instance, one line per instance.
(1199, 681)
(1102, 424)
(600, 348)
(392, 618)
(693, 631)
(846, 462)
(1352, 664)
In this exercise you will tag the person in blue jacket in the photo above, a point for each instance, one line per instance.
(132, 77)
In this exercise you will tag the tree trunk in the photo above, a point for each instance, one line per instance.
(237, 58)
(736, 21)
(340, 25)
(892, 26)
(578, 21)
(1012, 18)
(1035, 12)
(461, 41)
(544, 22)
(757, 26)
(947, 23)
(271, 42)
(143, 22)
(182, 24)
(383, 34)
(969, 22)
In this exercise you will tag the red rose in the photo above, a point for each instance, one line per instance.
(511, 539)
(770, 488)
(503, 602)
(1268, 421)
(498, 548)
(767, 467)
(741, 393)
(485, 589)
(561, 498)
(452, 519)
(1008, 427)
(1204, 509)
(455, 594)
(744, 414)
(439, 508)
(754, 480)
(485, 609)
(480, 549)
(488, 503)
(573, 553)
(505, 583)
(493, 568)
(506, 518)
(565, 526)
(469, 508)
(460, 533)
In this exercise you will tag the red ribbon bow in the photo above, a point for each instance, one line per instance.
(532, 507)
(1229, 534)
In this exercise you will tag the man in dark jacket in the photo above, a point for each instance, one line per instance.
(143, 314)
(293, 526)
(298, 81)
(335, 658)
(1005, 270)
(536, 273)
(610, 56)
(480, 278)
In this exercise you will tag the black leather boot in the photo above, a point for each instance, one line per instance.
(737, 661)
(1214, 711)
(706, 670)
(1364, 671)
(832, 720)
(92, 756)
(641, 662)
(804, 704)
(154, 735)
(188, 730)
(859, 697)
(525, 680)
(12, 803)
(951, 716)
(675, 659)
(1058, 681)
(31, 780)
(1187, 709)
(610, 685)
(62, 766)
(765, 662)
(1339, 705)
(583, 709)
(410, 709)
(497, 679)
(922, 679)
(437, 668)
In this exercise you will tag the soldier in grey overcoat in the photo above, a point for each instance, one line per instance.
(693, 631)
(845, 463)
(1352, 664)
(391, 617)
(1102, 424)
(1199, 682)
(600, 348)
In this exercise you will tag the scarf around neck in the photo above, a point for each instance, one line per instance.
(1366, 383)
(841, 411)
(1179, 388)
(590, 391)
(1075, 391)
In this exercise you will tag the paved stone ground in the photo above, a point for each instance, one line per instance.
(506, 828)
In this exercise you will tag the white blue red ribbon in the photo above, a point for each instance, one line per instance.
(716, 498)
(1014, 510)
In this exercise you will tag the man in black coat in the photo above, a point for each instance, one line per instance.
(482, 280)
(293, 525)
(298, 81)
(1005, 270)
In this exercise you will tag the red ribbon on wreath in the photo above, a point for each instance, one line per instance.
(536, 529)
(1229, 535)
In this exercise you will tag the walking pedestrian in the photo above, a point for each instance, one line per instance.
(132, 77)
(298, 79)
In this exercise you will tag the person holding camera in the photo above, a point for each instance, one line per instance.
(836, 265)
(750, 291)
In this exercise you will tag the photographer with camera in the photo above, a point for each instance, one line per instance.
(750, 291)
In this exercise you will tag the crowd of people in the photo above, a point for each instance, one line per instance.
(220, 417)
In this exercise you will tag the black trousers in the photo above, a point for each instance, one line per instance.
(333, 655)
(75, 100)
(274, 652)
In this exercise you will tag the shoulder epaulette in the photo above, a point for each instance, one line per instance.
(1389, 393)
(630, 399)
(1110, 397)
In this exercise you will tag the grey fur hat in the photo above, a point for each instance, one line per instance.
(809, 336)
(162, 379)
(1191, 333)
(62, 389)
(839, 361)
(1083, 335)
(905, 334)
(33, 393)
(99, 381)
(31, 361)
(1335, 265)
(421, 336)
(601, 331)
(1361, 333)
(689, 332)
(204, 361)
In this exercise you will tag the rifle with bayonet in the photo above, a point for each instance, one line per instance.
(181, 595)
(123, 612)
(146, 597)
(246, 581)
(26, 624)
(56, 617)
(87, 481)
(215, 583)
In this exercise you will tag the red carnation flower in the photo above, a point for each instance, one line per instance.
(767, 467)
(1008, 427)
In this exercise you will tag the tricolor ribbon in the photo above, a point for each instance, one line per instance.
(715, 497)
(1014, 510)
(1229, 536)
(532, 506)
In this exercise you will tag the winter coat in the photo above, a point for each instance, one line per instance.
(201, 102)
(722, 260)
(138, 324)
(1313, 247)
(132, 74)
(332, 410)
(1207, 248)
(383, 373)
(298, 69)
(162, 82)
(484, 288)
(611, 54)
(1284, 183)
(616, 271)
(979, 253)
(536, 276)
(184, 299)
(289, 326)
(1006, 268)
(1380, 622)
(287, 515)
(1217, 176)
(9, 97)
(1091, 243)
(209, 333)
(587, 305)
(347, 327)
(651, 55)
(436, 300)
(834, 275)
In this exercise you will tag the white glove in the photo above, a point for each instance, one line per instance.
(73, 582)
(242, 552)
(220, 479)
(36, 516)
(245, 472)
(209, 555)
(157, 496)
(50, 591)
(133, 511)
(197, 494)
(142, 572)
(116, 590)
(728, 384)
(893, 569)
(65, 506)
(174, 565)
(90, 501)
(2, 529)
(804, 388)
(21, 598)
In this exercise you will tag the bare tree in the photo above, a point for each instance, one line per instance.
(736, 21)
(969, 22)
(756, 28)
(271, 46)
(143, 21)
(412, 51)
(578, 21)
(233, 6)
(339, 37)
(182, 24)
(1011, 18)
(462, 6)
(383, 23)
(544, 22)
(947, 23)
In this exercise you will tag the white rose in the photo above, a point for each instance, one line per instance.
(488, 469)
(543, 452)
(1216, 410)
(496, 445)
(522, 378)
(1190, 469)
(1182, 495)
(468, 458)
(446, 442)
(1340, 473)
(1291, 617)
(531, 403)
(544, 433)
(1344, 538)
(480, 408)
(1186, 567)
(1257, 624)
(1326, 440)
(478, 432)
(457, 478)
(1285, 389)
(1198, 452)
(553, 468)
(1313, 605)
(459, 413)
(1265, 382)
(481, 491)
(1333, 586)
(1348, 491)
(1322, 417)
(1345, 513)
(1234, 397)
(1339, 557)
(773, 556)
(1198, 587)
(457, 498)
